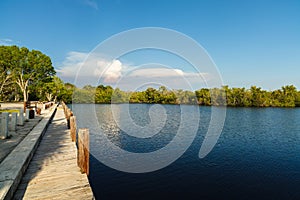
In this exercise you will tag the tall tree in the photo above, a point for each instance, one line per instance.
(103, 94)
(257, 96)
(67, 94)
(29, 68)
(5, 69)
(53, 90)
(203, 96)
(152, 96)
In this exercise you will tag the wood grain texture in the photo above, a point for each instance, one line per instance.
(73, 128)
(53, 172)
(83, 150)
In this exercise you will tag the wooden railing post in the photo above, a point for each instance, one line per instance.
(73, 128)
(83, 140)
(83, 154)
(69, 114)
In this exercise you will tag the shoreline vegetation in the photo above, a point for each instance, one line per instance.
(287, 96)
(29, 75)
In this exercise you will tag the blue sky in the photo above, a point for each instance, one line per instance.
(251, 42)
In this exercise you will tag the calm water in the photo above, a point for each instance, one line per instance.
(257, 155)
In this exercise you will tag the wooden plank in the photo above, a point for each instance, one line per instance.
(53, 172)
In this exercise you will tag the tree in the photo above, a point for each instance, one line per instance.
(138, 97)
(184, 97)
(103, 94)
(203, 96)
(66, 94)
(289, 93)
(28, 68)
(83, 96)
(5, 69)
(218, 97)
(276, 97)
(234, 96)
(287, 96)
(247, 98)
(166, 96)
(152, 96)
(256, 99)
(53, 90)
(119, 96)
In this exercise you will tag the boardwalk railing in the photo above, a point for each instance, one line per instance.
(82, 139)
(37, 105)
(83, 154)
(15, 163)
(73, 128)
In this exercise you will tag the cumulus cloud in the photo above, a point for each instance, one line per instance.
(71, 65)
(80, 67)
(95, 69)
(110, 71)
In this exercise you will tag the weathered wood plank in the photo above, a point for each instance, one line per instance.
(53, 172)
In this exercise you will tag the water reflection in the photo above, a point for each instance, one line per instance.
(256, 157)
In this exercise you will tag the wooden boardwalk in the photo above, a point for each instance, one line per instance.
(53, 172)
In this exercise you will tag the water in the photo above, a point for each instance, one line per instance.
(257, 155)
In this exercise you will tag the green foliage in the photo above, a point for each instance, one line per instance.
(287, 96)
(53, 90)
(137, 97)
(203, 96)
(83, 96)
(25, 69)
(151, 95)
(218, 97)
(66, 94)
(119, 96)
(6, 82)
(184, 97)
(103, 94)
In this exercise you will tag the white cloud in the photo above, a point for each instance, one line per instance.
(6, 41)
(96, 69)
(71, 64)
(110, 71)
(84, 67)
(163, 73)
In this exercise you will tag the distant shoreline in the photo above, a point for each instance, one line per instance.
(218, 106)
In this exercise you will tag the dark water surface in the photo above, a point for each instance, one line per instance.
(256, 157)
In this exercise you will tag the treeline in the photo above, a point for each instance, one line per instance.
(29, 75)
(287, 96)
